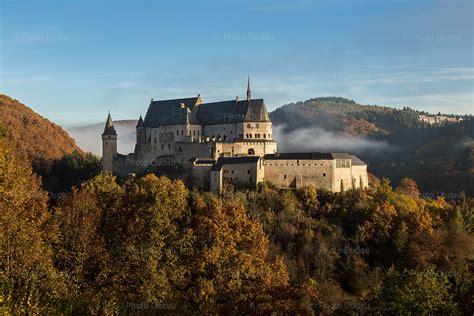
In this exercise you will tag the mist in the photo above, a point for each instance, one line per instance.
(316, 139)
(88, 138)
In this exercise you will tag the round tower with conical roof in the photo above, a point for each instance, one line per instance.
(109, 145)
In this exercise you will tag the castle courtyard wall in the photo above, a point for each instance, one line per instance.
(299, 173)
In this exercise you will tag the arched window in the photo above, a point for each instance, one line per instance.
(251, 151)
(225, 137)
(219, 138)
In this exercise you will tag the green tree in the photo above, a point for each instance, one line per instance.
(415, 293)
(71, 170)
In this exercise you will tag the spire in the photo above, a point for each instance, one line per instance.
(140, 122)
(109, 127)
(249, 92)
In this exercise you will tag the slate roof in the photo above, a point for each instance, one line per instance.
(232, 111)
(109, 127)
(355, 161)
(140, 122)
(170, 112)
(299, 156)
(222, 161)
(203, 161)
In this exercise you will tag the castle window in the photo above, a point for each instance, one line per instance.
(324, 174)
(249, 125)
(169, 146)
(250, 135)
(194, 133)
(284, 176)
(177, 133)
(257, 125)
(264, 136)
(248, 171)
(251, 151)
(162, 146)
(154, 140)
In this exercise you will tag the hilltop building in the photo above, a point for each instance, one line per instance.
(226, 141)
(439, 119)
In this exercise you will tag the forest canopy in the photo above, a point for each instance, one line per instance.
(151, 245)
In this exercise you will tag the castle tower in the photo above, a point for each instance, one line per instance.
(140, 131)
(109, 145)
(249, 92)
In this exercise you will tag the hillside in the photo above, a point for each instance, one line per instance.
(392, 141)
(88, 137)
(35, 136)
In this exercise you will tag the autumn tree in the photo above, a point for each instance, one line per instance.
(29, 282)
(233, 272)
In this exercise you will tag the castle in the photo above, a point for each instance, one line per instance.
(227, 141)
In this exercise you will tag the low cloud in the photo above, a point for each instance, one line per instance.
(316, 139)
(89, 138)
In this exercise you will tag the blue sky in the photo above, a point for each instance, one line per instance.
(72, 61)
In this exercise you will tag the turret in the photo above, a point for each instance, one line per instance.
(140, 131)
(109, 145)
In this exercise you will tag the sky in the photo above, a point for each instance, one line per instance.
(73, 61)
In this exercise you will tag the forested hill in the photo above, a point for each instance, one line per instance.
(35, 137)
(393, 141)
